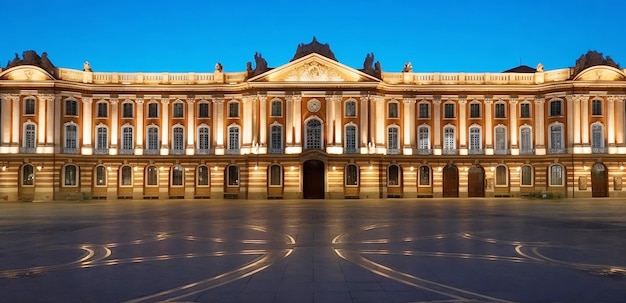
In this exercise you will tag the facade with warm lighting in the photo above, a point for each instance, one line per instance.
(312, 128)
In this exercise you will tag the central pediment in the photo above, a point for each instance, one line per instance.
(314, 68)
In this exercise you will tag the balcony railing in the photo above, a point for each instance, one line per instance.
(101, 151)
(476, 151)
(27, 150)
(203, 151)
(70, 150)
(151, 152)
(233, 151)
(276, 150)
(556, 150)
(129, 151)
(423, 151)
(599, 150)
(450, 151)
(527, 151)
(174, 151)
(393, 151)
(350, 150)
(502, 151)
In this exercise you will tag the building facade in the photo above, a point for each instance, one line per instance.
(311, 128)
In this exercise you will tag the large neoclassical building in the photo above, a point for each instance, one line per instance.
(311, 128)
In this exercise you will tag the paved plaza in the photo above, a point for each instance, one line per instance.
(394, 250)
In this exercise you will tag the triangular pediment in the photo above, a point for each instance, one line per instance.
(25, 73)
(314, 68)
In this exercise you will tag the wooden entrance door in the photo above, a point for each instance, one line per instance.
(313, 177)
(450, 181)
(476, 181)
(599, 180)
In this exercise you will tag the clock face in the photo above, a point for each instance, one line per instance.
(314, 105)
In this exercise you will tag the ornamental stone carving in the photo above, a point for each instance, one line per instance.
(314, 105)
(313, 71)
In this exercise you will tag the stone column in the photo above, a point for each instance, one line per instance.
(114, 124)
(87, 126)
(297, 121)
(409, 125)
(41, 124)
(573, 119)
(513, 125)
(437, 125)
(218, 125)
(57, 125)
(540, 144)
(246, 141)
(6, 119)
(16, 127)
(140, 127)
(584, 113)
(337, 104)
(330, 122)
(619, 120)
(289, 122)
(463, 126)
(364, 123)
(610, 120)
(191, 126)
(380, 127)
(165, 126)
(263, 121)
(488, 126)
(50, 114)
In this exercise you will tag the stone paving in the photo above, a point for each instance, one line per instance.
(394, 250)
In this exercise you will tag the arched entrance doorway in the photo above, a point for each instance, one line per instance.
(599, 180)
(313, 178)
(476, 181)
(450, 181)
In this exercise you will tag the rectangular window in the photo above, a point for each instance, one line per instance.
(527, 175)
(556, 175)
(424, 110)
(424, 175)
(203, 176)
(178, 110)
(233, 110)
(350, 109)
(275, 175)
(555, 108)
(475, 110)
(448, 110)
(71, 108)
(351, 140)
(153, 110)
(101, 176)
(524, 110)
(277, 109)
(178, 139)
(423, 140)
(276, 139)
(203, 110)
(102, 110)
(393, 110)
(596, 107)
(500, 110)
(392, 138)
(203, 138)
(152, 176)
(29, 107)
(153, 139)
(127, 110)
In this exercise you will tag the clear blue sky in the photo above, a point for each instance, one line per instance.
(192, 35)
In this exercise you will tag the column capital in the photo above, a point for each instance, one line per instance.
(488, 101)
(165, 101)
(262, 97)
(409, 100)
(46, 97)
(462, 100)
(437, 100)
(11, 97)
(513, 101)
(579, 97)
(87, 100)
(191, 101)
(139, 100)
(114, 100)
(540, 100)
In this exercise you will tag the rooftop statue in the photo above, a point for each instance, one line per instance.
(218, 67)
(369, 69)
(592, 58)
(408, 68)
(260, 65)
(539, 68)
(87, 67)
(31, 57)
(313, 47)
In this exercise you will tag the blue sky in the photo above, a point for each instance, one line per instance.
(192, 35)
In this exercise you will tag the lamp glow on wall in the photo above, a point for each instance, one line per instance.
(39, 167)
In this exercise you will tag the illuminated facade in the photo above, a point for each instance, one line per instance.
(311, 128)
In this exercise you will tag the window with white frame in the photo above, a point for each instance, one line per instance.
(393, 109)
(204, 135)
(233, 138)
(556, 175)
(70, 175)
(204, 110)
(597, 136)
(393, 175)
(28, 175)
(102, 138)
(449, 138)
(501, 140)
(350, 139)
(152, 176)
(276, 139)
(352, 175)
(526, 175)
(596, 107)
(314, 134)
(526, 139)
(178, 173)
(71, 136)
(556, 137)
(71, 107)
(449, 110)
(500, 110)
(30, 135)
(203, 176)
(233, 109)
(424, 175)
(152, 139)
(423, 137)
(424, 110)
(127, 138)
(277, 108)
(102, 109)
(474, 110)
(556, 108)
(275, 175)
(502, 175)
(126, 175)
(393, 138)
(178, 138)
(153, 110)
(29, 107)
(127, 110)
(350, 110)
(233, 175)
(100, 176)
(475, 139)
(178, 110)
(525, 110)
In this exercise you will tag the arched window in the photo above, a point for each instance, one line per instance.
(30, 106)
(350, 109)
(314, 134)
(152, 140)
(178, 140)
(233, 109)
(423, 139)
(70, 144)
(152, 176)
(100, 178)
(153, 109)
(393, 175)
(204, 140)
(28, 175)
(232, 175)
(597, 137)
(424, 176)
(275, 175)
(30, 137)
(203, 176)
(556, 138)
(126, 175)
(449, 140)
(350, 141)
(526, 140)
(178, 109)
(526, 175)
(556, 175)
(277, 108)
(501, 140)
(393, 109)
(502, 175)
(352, 175)
(276, 139)
(500, 110)
(393, 140)
(177, 175)
(475, 138)
(127, 140)
(233, 140)
(102, 140)
(556, 108)
(71, 107)
(70, 175)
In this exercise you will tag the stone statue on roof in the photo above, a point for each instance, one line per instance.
(218, 67)
(540, 68)
(87, 67)
(408, 68)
